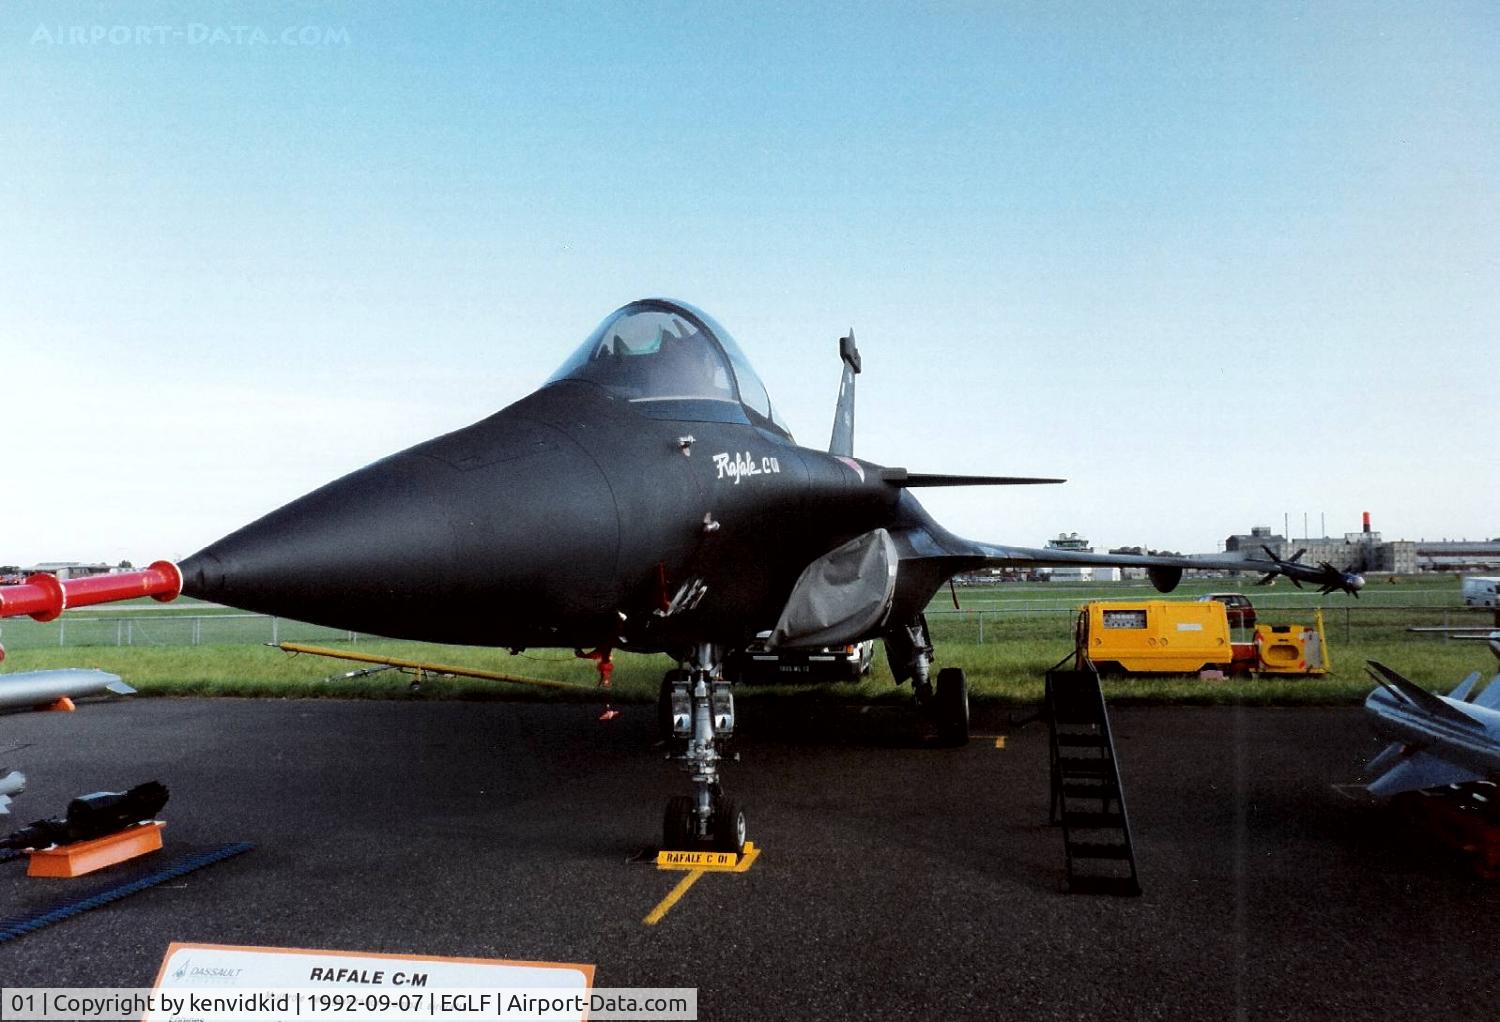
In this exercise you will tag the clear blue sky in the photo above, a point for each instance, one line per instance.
(1212, 262)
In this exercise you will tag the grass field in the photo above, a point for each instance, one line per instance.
(1005, 637)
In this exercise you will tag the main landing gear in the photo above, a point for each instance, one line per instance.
(696, 709)
(947, 706)
(909, 648)
(950, 706)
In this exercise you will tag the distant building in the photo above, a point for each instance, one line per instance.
(1456, 555)
(1398, 558)
(1369, 551)
(1077, 544)
(69, 569)
(1342, 553)
(1129, 574)
(1258, 535)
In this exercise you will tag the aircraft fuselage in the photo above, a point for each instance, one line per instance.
(568, 519)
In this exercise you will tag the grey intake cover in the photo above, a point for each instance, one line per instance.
(840, 596)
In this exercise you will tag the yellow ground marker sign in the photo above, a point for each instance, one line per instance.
(696, 864)
(723, 862)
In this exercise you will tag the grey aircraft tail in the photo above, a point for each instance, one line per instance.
(1419, 697)
(841, 445)
(1489, 697)
(1438, 740)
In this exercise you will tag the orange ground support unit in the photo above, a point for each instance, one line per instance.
(87, 856)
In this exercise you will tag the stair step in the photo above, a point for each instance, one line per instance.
(1097, 850)
(1081, 740)
(1080, 766)
(1076, 789)
(1126, 887)
(1079, 719)
(1093, 821)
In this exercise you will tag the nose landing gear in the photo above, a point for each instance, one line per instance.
(698, 707)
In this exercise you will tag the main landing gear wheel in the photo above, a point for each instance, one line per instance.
(677, 830)
(728, 827)
(950, 706)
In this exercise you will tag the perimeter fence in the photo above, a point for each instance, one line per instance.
(1339, 621)
(983, 616)
(165, 630)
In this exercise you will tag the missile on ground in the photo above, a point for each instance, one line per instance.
(38, 688)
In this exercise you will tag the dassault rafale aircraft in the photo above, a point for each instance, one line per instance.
(648, 498)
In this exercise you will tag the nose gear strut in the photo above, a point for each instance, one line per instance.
(701, 709)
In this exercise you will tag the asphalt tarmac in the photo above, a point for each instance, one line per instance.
(896, 880)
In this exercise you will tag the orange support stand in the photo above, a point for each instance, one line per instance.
(87, 856)
(63, 705)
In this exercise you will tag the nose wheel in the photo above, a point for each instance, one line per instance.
(679, 825)
(698, 707)
(726, 825)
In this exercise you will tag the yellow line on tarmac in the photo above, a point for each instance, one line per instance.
(747, 857)
(672, 898)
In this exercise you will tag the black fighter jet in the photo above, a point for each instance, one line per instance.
(647, 497)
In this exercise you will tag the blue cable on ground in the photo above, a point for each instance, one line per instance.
(19, 925)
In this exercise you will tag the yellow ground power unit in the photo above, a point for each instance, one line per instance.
(1292, 649)
(1155, 636)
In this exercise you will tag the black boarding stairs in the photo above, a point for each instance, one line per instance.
(1087, 797)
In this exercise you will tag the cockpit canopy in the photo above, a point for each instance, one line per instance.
(672, 361)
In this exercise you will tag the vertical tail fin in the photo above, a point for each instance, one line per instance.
(1464, 692)
(842, 442)
(1489, 698)
(1418, 696)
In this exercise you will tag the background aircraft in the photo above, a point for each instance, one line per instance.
(646, 497)
(1434, 740)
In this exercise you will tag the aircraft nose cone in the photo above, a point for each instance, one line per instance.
(491, 530)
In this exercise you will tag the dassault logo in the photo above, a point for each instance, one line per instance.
(737, 466)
